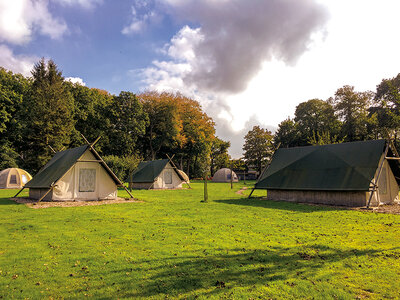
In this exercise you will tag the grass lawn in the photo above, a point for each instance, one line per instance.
(171, 245)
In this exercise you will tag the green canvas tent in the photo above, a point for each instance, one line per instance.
(156, 174)
(339, 174)
(74, 174)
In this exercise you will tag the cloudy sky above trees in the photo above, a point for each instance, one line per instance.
(248, 62)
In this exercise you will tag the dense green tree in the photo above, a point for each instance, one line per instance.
(164, 127)
(122, 166)
(324, 138)
(197, 134)
(13, 88)
(258, 147)
(352, 109)
(8, 156)
(387, 99)
(315, 117)
(287, 134)
(179, 126)
(127, 123)
(219, 156)
(90, 114)
(49, 115)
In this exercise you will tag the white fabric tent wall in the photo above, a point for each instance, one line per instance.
(388, 189)
(162, 180)
(67, 188)
(224, 175)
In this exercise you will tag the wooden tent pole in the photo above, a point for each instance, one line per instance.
(125, 188)
(95, 142)
(378, 175)
(19, 192)
(231, 175)
(51, 148)
(105, 165)
(87, 142)
(50, 189)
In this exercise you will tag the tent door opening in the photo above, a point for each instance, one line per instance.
(168, 177)
(87, 176)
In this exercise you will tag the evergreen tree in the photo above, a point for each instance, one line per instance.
(127, 122)
(49, 115)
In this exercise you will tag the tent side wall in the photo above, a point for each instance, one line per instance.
(141, 185)
(168, 179)
(38, 193)
(388, 188)
(352, 199)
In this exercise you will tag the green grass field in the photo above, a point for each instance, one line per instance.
(172, 245)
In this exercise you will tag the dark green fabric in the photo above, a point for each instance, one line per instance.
(336, 167)
(60, 163)
(148, 171)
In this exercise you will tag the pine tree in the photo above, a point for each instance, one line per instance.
(49, 115)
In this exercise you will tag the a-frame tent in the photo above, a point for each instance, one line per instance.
(157, 174)
(75, 175)
(352, 174)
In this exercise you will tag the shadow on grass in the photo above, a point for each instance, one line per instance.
(208, 274)
(7, 201)
(299, 207)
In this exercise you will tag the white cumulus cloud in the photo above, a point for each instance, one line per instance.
(20, 19)
(76, 80)
(16, 63)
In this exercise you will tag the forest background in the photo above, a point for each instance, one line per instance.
(45, 111)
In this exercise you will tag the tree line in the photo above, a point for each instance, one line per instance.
(46, 110)
(347, 116)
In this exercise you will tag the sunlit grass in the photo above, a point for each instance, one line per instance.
(173, 245)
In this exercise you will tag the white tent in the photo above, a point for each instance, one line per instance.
(224, 175)
(157, 174)
(74, 175)
(13, 178)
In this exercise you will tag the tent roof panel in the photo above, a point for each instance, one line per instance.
(148, 171)
(60, 163)
(347, 166)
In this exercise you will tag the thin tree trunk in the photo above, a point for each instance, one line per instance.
(153, 157)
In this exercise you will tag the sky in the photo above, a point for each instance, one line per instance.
(247, 62)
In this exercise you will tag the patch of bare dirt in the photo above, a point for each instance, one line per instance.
(385, 209)
(240, 192)
(44, 204)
